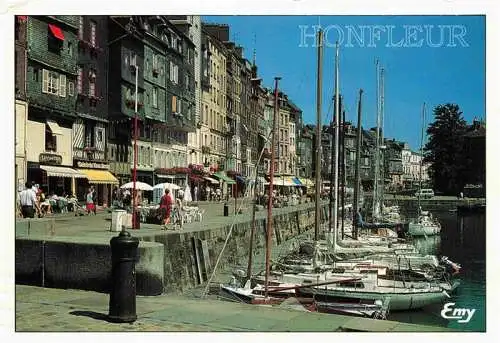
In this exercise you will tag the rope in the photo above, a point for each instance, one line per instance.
(205, 292)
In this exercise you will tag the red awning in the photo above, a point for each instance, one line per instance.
(22, 17)
(56, 31)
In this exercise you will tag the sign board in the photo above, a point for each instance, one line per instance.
(92, 165)
(45, 158)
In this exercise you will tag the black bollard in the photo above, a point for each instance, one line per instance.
(226, 210)
(122, 294)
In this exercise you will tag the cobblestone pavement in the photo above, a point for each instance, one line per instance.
(57, 310)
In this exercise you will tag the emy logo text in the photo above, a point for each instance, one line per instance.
(462, 315)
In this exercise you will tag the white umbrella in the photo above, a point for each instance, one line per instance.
(171, 186)
(142, 186)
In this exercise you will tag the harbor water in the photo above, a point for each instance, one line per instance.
(462, 240)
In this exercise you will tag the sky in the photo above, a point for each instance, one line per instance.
(431, 59)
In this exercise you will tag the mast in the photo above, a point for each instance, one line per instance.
(377, 151)
(319, 86)
(344, 178)
(421, 155)
(356, 170)
(336, 169)
(269, 241)
(382, 143)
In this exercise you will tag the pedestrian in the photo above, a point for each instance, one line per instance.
(89, 201)
(166, 208)
(178, 212)
(94, 198)
(195, 193)
(28, 202)
(208, 193)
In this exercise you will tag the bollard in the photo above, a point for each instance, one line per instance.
(122, 294)
(226, 210)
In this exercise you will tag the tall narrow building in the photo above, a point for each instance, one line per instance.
(90, 126)
(50, 90)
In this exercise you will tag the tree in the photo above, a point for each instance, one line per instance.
(445, 149)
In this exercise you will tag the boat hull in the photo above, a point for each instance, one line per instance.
(398, 301)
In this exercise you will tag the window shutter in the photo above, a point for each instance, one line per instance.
(174, 104)
(45, 81)
(62, 86)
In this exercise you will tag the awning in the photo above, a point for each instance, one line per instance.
(99, 176)
(297, 181)
(54, 127)
(62, 172)
(286, 181)
(223, 177)
(306, 182)
(214, 181)
(178, 176)
(56, 31)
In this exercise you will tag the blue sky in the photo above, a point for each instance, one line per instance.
(413, 74)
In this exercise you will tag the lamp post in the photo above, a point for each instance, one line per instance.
(134, 171)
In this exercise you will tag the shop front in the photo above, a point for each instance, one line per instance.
(98, 175)
(52, 176)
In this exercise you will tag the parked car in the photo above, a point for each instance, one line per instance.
(425, 193)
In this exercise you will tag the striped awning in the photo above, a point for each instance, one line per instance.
(96, 176)
(212, 180)
(62, 172)
(306, 182)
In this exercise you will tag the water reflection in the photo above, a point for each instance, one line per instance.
(463, 240)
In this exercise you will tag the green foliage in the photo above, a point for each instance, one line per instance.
(445, 149)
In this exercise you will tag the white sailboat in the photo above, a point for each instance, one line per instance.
(425, 224)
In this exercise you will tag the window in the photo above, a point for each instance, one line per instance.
(174, 42)
(179, 106)
(155, 97)
(50, 140)
(79, 80)
(93, 27)
(92, 87)
(133, 59)
(80, 28)
(71, 88)
(62, 86)
(155, 63)
(70, 49)
(174, 104)
(35, 75)
(50, 82)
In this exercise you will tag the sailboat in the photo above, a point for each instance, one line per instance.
(425, 224)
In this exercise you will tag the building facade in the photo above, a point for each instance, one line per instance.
(191, 26)
(50, 90)
(90, 126)
(214, 128)
(21, 106)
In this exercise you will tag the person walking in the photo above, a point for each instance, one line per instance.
(195, 193)
(166, 208)
(94, 198)
(28, 202)
(89, 201)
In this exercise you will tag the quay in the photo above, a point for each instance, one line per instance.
(409, 204)
(74, 252)
(56, 310)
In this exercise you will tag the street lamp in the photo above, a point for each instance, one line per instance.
(134, 173)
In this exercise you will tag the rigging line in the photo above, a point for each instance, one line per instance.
(232, 225)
